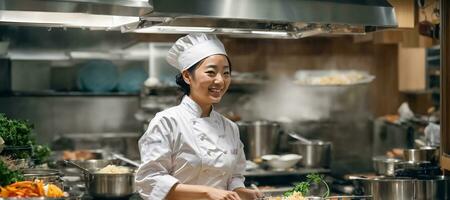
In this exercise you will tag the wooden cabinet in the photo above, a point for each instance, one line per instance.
(412, 69)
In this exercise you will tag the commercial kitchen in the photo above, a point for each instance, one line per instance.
(332, 99)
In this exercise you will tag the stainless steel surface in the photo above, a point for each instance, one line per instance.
(433, 188)
(385, 166)
(101, 185)
(63, 115)
(300, 171)
(428, 154)
(72, 13)
(316, 154)
(110, 185)
(393, 188)
(46, 175)
(282, 19)
(92, 165)
(420, 188)
(131, 162)
(259, 138)
(300, 138)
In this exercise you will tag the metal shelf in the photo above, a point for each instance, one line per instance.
(299, 171)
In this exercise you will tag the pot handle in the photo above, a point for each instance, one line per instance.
(84, 170)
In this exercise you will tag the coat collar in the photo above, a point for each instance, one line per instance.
(193, 107)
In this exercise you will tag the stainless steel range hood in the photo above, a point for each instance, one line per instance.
(267, 18)
(91, 14)
(243, 18)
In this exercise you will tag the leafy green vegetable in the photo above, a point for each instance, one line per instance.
(8, 176)
(19, 141)
(15, 132)
(40, 154)
(303, 187)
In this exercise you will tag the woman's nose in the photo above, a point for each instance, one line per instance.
(219, 79)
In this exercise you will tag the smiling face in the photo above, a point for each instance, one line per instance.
(210, 80)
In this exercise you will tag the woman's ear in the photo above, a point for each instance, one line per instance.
(186, 76)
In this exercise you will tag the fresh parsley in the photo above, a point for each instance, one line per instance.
(303, 187)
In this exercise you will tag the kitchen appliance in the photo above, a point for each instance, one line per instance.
(259, 138)
(316, 154)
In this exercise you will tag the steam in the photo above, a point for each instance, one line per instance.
(286, 101)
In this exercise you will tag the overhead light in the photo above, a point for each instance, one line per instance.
(174, 29)
(62, 19)
(274, 33)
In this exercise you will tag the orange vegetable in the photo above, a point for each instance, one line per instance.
(30, 189)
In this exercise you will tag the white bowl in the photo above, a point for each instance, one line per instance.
(283, 162)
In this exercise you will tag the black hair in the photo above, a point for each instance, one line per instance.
(183, 86)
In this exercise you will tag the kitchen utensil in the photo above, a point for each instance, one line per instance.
(101, 185)
(300, 138)
(385, 166)
(46, 175)
(432, 187)
(316, 154)
(430, 154)
(125, 160)
(259, 138)
(283, 162)
(393, 188)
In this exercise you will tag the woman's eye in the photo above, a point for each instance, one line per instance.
(210, 72)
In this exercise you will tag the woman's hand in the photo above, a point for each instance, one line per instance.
(218, 194)
(248, 194)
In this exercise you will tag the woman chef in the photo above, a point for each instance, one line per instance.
(190, 151)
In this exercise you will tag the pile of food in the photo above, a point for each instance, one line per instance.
(343, 77)
(302, 189)
(114, 169)
(35, 188)
(293, 196)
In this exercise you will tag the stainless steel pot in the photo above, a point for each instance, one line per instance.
(259, 138)
(430, 154)
(385, 166)
(436, 187)
(421, 188)
(46, 175)
(109, 185)
(316, 154)
(393, 188)
(102, 185)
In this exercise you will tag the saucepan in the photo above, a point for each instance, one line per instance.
(107, 185)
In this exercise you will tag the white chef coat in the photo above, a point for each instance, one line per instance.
(181, 147)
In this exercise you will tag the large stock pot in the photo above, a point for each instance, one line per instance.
(259, 138)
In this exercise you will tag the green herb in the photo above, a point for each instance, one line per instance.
(15, 132)
(19, 142)
(303, 187)
(40, 154)
(8, 176)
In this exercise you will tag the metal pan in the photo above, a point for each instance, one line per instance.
(101, 185)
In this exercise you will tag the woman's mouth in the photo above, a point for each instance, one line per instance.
(215, 92)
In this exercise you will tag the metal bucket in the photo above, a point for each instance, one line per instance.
(259, 138)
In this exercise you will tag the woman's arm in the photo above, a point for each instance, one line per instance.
(185, 191)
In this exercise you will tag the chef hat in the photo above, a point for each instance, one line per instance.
(192, 48)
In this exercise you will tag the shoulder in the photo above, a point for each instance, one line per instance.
(166, 120)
